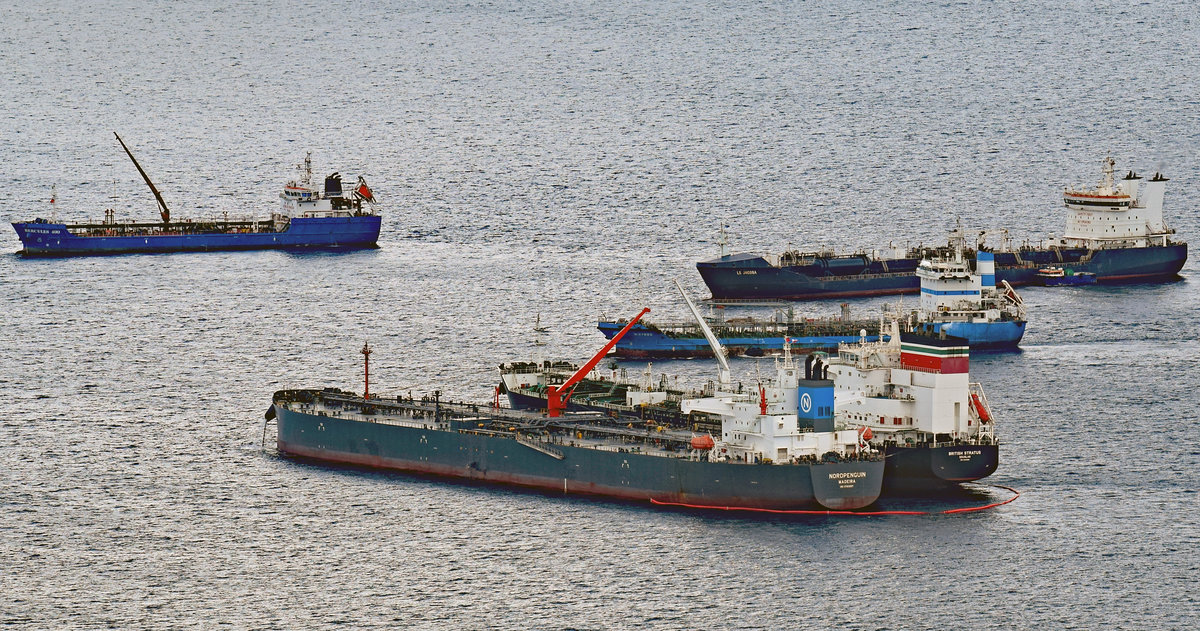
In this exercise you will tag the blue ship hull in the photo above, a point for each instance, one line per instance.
(751, 277)
(994, 336)
(53, 239)
(642, 342)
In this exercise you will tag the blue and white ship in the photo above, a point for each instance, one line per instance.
(308, 218)
(958, 301)
(1115, 231)
(954, 300)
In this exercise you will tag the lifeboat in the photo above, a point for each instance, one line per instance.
(977, 405)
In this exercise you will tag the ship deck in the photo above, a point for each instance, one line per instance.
(592, 430)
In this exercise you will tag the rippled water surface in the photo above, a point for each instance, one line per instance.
(568, 160)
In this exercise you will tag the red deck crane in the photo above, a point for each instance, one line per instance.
(556, 402)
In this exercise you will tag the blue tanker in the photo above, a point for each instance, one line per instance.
(1114, 231)
(309, 218)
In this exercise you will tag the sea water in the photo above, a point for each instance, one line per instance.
(566, 161)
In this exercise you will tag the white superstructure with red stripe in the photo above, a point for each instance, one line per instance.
(1116, 214)
(912, 389)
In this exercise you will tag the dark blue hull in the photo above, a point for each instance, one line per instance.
(53, 239)
(920, 469)
(928, 470)
(477, 456)
(750, 277)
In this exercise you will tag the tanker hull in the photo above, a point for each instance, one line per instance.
(458, 452)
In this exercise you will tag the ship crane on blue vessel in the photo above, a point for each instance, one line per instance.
(723, 371)
(163, 210)
(556, 401)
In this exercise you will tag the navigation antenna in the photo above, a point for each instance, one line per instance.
(723, 372)
(366, 353)
(538, 329)
(53, 207)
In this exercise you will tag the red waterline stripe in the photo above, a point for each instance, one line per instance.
(775, 511)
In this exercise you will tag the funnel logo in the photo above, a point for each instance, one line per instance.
(805, 402)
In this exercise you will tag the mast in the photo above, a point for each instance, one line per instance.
(163, 210)
(366, 353)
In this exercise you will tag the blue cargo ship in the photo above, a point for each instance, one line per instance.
(309, 218)
(955, 300)
(1114, 231)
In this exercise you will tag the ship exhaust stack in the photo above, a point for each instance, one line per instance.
(333, 186)
(985, 269)
(1155, 189)
(1129, 184)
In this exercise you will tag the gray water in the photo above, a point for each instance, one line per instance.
(567, 160)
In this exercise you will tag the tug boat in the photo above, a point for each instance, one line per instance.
(1058, 277)
(308, 218)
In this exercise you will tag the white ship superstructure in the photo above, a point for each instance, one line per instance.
(788, 419)
(912, 390)
(302, 197)
(952, 292)
(1115, 214)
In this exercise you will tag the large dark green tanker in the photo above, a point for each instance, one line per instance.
(590, 454)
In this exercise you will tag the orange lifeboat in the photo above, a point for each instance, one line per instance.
(703, 442)
(984, 417)
(865, 434)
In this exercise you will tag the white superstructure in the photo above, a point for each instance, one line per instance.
(302, 198)
(1113, 214)
(952, 292)
(787, 419)
(910, 390)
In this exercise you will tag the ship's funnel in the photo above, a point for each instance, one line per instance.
(985, 268)
(1129, 185)
(333, 185)
(1153, 201)
(814, 408)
